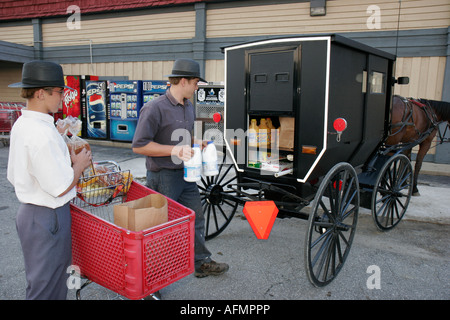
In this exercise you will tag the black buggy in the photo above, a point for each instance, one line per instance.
(328, 99)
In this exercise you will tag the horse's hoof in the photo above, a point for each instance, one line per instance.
(416, 194)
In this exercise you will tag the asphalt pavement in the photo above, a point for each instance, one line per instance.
(413, 259)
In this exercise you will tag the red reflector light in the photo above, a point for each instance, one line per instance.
(337, 186)
(340, 124)
(217, 117)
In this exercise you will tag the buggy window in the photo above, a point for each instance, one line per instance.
(377, 82)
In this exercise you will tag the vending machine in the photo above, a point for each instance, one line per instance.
(72, 98)
(153, 88)
(95, 109)
(209, 109)
(125, 104)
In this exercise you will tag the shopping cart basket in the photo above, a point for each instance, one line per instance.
(132, 264)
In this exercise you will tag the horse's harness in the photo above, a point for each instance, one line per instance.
(408, 118)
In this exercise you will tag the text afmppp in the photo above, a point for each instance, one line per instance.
(231, 309)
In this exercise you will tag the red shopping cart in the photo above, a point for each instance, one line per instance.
(9, 113)
(132, 264)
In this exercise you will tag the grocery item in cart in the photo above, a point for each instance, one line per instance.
(103, 184)
(142, 213)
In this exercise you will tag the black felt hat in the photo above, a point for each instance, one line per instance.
(40, 74)
(186, 68)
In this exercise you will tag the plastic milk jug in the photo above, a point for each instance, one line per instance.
(193, 167)
(209, 160)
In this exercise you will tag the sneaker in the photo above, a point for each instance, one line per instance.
(211, 268)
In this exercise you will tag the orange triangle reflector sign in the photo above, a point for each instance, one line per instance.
(261, 215)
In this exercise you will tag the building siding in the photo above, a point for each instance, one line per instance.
(426, 76)
(342, 16)
(22, 34)
(139, 28)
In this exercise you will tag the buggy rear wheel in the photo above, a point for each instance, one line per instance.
(332, 224)
(217, 208)
(392, 192)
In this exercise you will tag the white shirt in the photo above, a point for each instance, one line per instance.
(39, 164)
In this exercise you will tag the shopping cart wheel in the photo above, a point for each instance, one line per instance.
(153, 296)
(78, 292)
(217, 207)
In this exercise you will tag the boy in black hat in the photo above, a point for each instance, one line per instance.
(44, 176)
(163, 134)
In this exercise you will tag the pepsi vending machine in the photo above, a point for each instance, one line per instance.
(125, 102)
(95, 108)
(152, 89)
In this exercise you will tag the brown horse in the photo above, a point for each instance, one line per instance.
(416, 122)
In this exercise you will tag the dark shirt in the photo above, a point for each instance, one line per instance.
(158, 121)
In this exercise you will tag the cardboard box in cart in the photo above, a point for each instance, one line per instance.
(134, 264)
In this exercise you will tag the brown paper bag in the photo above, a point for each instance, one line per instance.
(286, 136)
(142, 213)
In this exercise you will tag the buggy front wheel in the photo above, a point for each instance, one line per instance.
(392, 192)
(332, 224)
(218, 209)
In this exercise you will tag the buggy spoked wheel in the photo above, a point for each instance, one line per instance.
(392, 192)
(332, 224)
(217, 208)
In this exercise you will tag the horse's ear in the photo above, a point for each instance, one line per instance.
(402, 80)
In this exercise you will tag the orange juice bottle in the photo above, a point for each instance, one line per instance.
(253, 134)
(263, 141)
(263, 134)
(272, 132)
(252, 143)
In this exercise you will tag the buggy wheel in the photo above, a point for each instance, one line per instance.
(217, 208)
(332, 224)
(392, 192)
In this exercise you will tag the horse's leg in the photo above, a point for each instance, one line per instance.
(423, 149)
(407, 153)
(417, 167)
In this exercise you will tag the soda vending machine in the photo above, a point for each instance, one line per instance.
(125, 104)
(95, 109)
(72, 98)
(209, 110)
(153, 88)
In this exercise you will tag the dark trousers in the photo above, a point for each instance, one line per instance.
(171, 183)
(46, 241)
